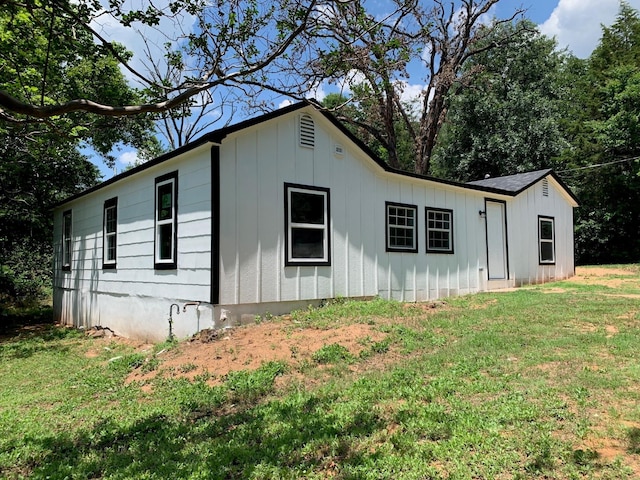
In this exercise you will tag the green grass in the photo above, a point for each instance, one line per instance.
(533, 383)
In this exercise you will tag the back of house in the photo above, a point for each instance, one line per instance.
(286, 210)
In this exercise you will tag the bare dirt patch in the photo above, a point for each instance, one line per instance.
(609, 277)
(248, 347)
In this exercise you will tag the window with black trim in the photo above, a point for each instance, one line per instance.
(166, 222)
(439, 222)
(307, 225)
(402, 227)
(110, 233)
(546, 240)
(67, 242)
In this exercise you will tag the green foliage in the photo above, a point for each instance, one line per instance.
(606, 132)
(248, 386)
(46, 58)
(507, 121)
(332, 353)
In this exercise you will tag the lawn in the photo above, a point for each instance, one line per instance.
(539, 382)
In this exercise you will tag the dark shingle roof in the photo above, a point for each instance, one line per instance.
(513, 183)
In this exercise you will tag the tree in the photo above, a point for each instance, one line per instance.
(231, 44)
(507, 120)
(41, 162)
(346, 43)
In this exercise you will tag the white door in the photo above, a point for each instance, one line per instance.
(496, 240)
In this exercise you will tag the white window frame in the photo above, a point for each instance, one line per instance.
(166, 263)
(67, 240)
(392, 223)
(290, 259)
(551, 240)
(109, 205)
(429, 229)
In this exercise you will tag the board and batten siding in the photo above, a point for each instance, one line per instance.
(133, 299)
(523, 214)
(255, 164)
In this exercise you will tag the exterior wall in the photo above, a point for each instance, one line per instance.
(134, 299)
(523, 214)
(255, 163)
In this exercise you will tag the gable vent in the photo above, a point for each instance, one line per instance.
(545, 187)
(307, 131)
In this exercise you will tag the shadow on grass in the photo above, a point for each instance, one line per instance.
(266, 440)
(26, 332)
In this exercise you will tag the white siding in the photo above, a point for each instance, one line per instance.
(88, 295)
(255, 165)
(523, 214)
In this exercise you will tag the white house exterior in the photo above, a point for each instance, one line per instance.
(286, 210)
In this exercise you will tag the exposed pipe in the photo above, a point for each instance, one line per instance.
(197, 304)
(171, 318)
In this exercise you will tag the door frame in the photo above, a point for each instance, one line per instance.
(506, 236)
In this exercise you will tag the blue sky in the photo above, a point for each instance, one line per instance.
(576, 24)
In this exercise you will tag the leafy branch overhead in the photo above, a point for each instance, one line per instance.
(370, 56)
(215, 43)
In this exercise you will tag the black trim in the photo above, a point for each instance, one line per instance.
(553, 224)
(218, 135)
(65, 214)
(311, 263)
(174, 264)
(215, 225)
(112, 202)
(386, 227)
(506, 236)
(450, 250)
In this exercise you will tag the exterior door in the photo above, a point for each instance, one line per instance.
(497, 257)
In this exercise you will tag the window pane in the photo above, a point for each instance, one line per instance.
(165, 201)
(307, 208)
(66, 260)
(111, 248)
(546, 230)
(401, 227)
(165, 239)
(110, 220)
(546, 251)
(401, 237)
(307, 243)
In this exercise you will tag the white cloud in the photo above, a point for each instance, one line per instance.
(134, 38)
(285, 103)
(410, 93)
(129, 158)
(576, 24)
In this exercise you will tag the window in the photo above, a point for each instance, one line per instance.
(439, 230)
(307, 225)
(166, 249)
(109, 233)
(66, 241)
(546, 240)
(402, 233)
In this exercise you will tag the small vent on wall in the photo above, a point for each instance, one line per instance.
(338, 150)
(545, 187)
(307, 131)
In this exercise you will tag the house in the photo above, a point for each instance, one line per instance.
(281, 211)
